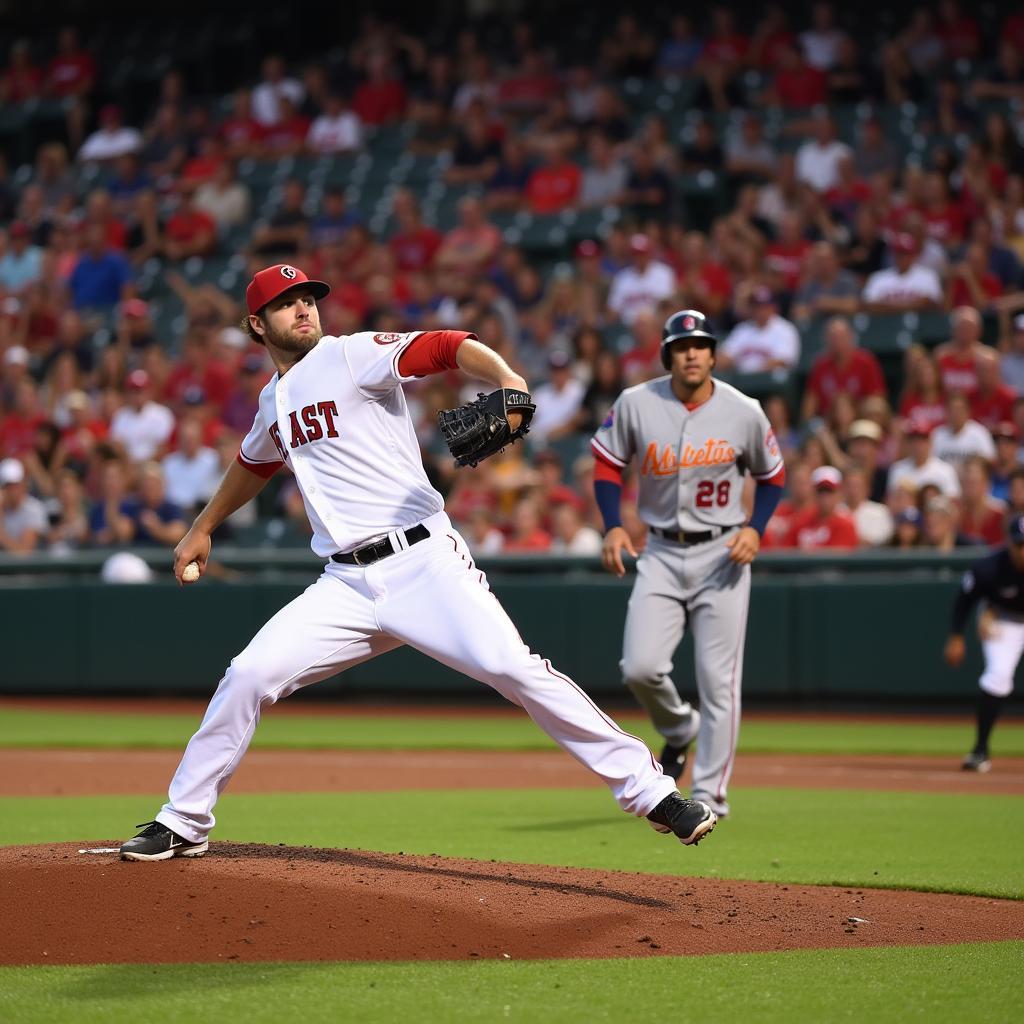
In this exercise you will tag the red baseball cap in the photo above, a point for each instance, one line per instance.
(919, 425)
(904, 242)
(137, 380)
(268, 284)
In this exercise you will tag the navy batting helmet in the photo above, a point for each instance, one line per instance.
(687, 323)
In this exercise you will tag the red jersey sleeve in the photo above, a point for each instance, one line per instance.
(432, 352)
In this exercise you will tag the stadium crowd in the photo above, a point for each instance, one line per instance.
(115, 428)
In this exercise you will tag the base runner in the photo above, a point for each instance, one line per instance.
(694, 438)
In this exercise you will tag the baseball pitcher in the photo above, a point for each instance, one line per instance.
(396, 570)
(694, 438)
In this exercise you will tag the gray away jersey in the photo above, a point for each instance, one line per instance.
(690, 464)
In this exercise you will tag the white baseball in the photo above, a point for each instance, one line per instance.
(190, 573)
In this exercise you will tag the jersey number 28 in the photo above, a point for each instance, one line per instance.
(708, 494)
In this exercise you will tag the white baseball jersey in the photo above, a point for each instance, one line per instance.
(753, 348)
(691, 463)
(338, 420)
(891, 286)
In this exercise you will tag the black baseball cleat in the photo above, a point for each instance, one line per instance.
(673, 760)
(689, 820)
(976, 761)
(158, 842)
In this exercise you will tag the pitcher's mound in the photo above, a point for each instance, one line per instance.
(252, 902)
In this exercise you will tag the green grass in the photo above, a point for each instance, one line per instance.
(968, 844)
(969, 983)
(23, 728)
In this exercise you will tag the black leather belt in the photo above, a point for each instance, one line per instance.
(381, 548)
(688, 538)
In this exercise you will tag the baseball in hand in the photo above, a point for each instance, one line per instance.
(190, 573)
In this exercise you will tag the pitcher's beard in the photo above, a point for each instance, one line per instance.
(292, 342)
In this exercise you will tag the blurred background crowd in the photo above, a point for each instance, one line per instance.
(843, 198)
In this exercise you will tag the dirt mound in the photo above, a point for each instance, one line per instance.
(252, 902)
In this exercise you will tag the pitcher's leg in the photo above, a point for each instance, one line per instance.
(718, 618)
(655, 623)
(449, 613)
(302, 644)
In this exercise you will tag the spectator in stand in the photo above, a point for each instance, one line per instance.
(275, 84)
(507, 188)
(905, 287)
(332, 225)
(723, 58)
(842, 368)
(529, 88)
(1012, 360)
(648, 193)
(477, 152)
(749, 157)
(960, 436)
(555, 185)
(703, 152)
(527, 535)
(67, 515)
(337, 129)
(166, 146)
(982, 517)
(797, 85)
(286, 136)
(141, 427)
(787, 255)
(604, 388)
(864, 453)
(190, 230)
(921, 467)
(907, 525)
(875, 154)
(70, 77)
(872, 519)
(680, 52)
(821, 42)
(414, 244)
(826, 288)
(380, 99)
(224, 197)
(558, 401)
(958, 358)
(993, 402)
(817, 160)
(825, 524)
(1007, 460)
(764, 342)
(971, 283)
(642, 285)
(287, 230)
(102, 276)
(703, 283)
(112, 140)
(483, 536)
(1002, 261)
(23, 523)
(108, 523)
(472, 245)
(604, 177)
(241, 133)
(154, 519)
(241, 405)
(572, 536)
(21, 264)
(939, 527)
(192, 472)
(21, 79)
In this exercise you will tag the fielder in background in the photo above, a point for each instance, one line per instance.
(397, 572)
(694, 439)
(996, 580)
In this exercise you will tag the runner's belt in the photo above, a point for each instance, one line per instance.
(690, 537)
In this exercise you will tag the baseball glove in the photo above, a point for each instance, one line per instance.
(480, 429)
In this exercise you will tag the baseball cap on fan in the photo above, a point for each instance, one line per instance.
(826, 478)
(273, 281)
(11, 472)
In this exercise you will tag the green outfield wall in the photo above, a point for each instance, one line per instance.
(863, 626)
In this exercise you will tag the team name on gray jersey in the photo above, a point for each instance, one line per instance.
(691, 463)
